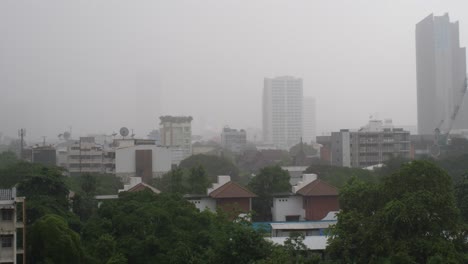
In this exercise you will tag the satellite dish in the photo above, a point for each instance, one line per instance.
(66, 135)
(124, 131)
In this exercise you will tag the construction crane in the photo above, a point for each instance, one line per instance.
(441, 138)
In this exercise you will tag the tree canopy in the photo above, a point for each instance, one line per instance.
(269, 181)
(213, 166)
(409, 217)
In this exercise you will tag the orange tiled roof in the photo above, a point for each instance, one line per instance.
(231, 190)
(318, 188)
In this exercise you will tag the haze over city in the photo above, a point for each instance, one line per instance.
(98, 66)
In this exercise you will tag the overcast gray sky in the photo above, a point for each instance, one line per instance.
(100, 65)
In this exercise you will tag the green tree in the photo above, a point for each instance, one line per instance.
(410, 217)
(269, 181)
(213, 166)
(338, 176)
(7, 158)
(52, 241)
(197, 180)
(165, 228)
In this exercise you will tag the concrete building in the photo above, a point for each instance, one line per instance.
(282, 111)
(86, 156)
(234, 140)
(441, 75)
(372, 144)
(12, 231)
(176, 133)
(141, 158)
(309, 122)
(45, 155)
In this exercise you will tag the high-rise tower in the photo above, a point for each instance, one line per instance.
(441, 75)
(282, 111)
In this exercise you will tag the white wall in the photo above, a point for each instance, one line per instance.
(125, 159)
(284, 206)
(205, 203)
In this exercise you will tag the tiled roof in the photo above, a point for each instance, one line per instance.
(318, 188)
(231, 190)
(6, 194)
(142, 186)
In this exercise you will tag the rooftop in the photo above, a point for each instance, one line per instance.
(318, 188)
(231, 190)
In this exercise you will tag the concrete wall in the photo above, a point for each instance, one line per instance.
(284, 206)
(125, 160)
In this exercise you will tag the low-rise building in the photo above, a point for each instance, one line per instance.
(86, 156)
(12, 231)
(141, 158)
(226, 195)
(372, 144)
(310, 200)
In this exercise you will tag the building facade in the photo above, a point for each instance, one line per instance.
(86, 156)
(141, 158)
(12, 231)
(441, 76)
(282, 111)
(371, 145)
(233, 140)
(176, 133)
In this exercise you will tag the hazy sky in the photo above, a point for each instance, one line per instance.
(99, 65)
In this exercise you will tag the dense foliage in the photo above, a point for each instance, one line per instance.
(409, 217)
(338, 176)
(213, 166)
(270, 180)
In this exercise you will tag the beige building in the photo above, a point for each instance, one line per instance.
(176, 133)
(86, 156)
(12, 232)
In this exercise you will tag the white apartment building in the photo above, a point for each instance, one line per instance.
(86, 156)
(233, 139)
(282, 111)
(176, 133)
(12, 232)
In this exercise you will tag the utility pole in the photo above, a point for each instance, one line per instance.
(21, 134)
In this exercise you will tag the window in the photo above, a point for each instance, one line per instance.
(7, 214)
(7, 241)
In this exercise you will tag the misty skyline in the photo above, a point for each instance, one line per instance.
(98, 66)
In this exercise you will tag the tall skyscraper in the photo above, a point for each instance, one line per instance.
(309, 125)
(441, 75)
(282, 111)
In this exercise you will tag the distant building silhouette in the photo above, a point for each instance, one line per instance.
(441, 75)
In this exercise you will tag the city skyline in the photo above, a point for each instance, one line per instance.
(60, 66)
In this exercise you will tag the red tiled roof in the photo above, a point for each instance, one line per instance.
(142, 186)
(231, 190)
(318, 188)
